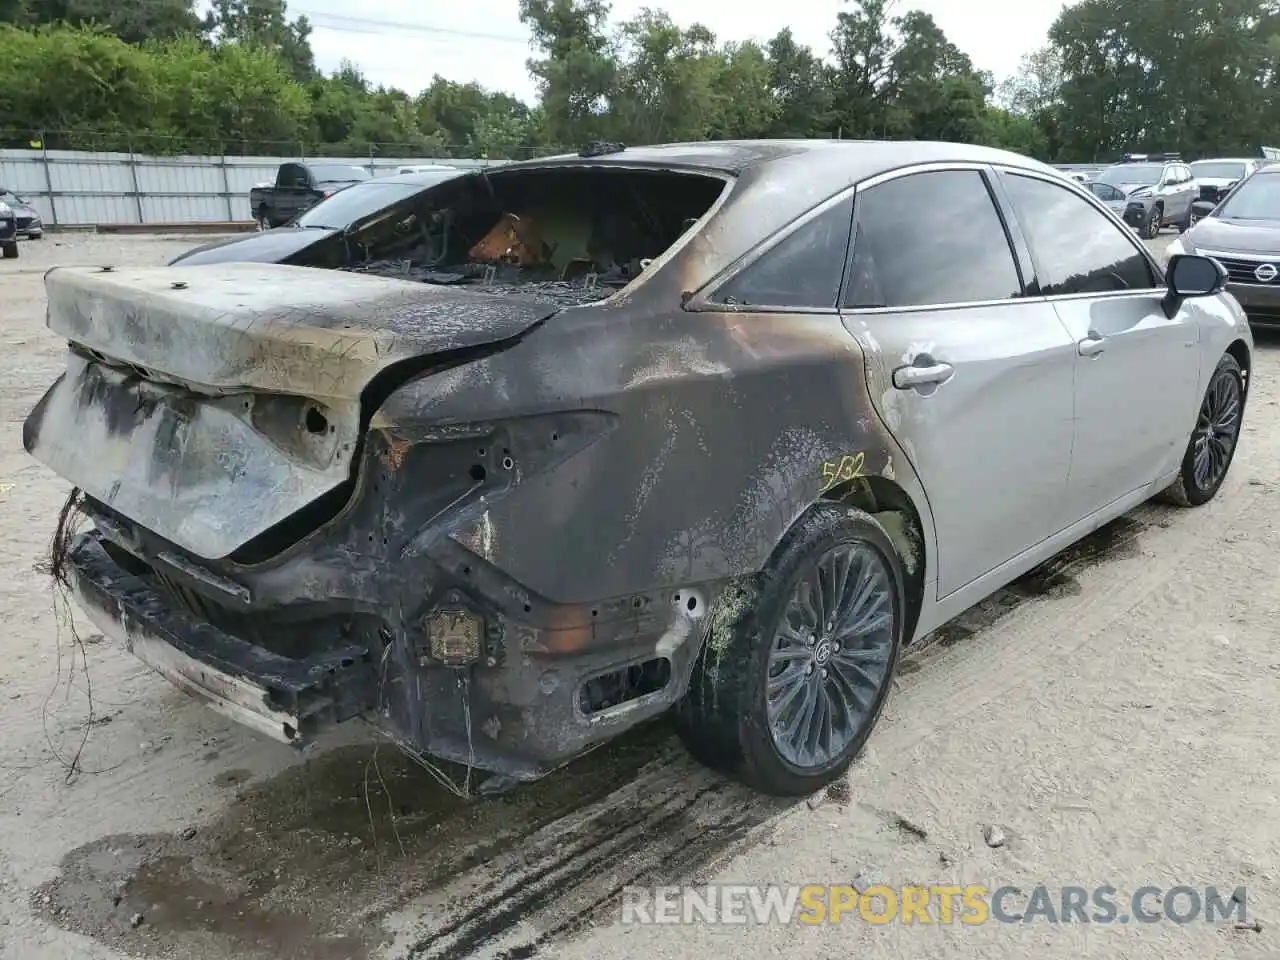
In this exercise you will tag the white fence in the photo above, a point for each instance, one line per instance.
(75, 188)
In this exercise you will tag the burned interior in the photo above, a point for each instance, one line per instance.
(567, 234)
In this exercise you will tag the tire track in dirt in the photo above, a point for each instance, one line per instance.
(360, 854)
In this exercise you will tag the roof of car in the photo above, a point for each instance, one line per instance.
(776, 181)
(424, 177)
(846, 161)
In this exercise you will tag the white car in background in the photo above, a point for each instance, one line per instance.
(1216, 177)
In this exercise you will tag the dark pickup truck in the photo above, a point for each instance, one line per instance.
(298, 186)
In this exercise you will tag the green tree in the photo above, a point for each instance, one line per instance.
(77, 81)
(234, 95)
(936, 93)
(1194, 75)
(134, 21)
(266, 23)
(666, 80)
(801, 85)
(743, 86)
(577, 71)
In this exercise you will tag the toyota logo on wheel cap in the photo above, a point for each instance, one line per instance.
(1266, 272)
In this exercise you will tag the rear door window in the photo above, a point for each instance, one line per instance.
(803, 270)
(1077, 249)
(930, 239)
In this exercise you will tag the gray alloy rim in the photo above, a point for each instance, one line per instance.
(1217, 429)
(830, 655)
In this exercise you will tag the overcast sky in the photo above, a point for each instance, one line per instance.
(484, 41)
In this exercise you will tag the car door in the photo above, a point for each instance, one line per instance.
(1135, 366)
(973, 378)
(1186, 192)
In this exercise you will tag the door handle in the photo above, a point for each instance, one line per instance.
(911, 376)
(1091, 345)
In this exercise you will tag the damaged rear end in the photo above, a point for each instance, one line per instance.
(211, 420)
(291, 472)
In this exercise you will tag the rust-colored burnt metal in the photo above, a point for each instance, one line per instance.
(513, 239)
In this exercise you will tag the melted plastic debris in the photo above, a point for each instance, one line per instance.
(471, 276)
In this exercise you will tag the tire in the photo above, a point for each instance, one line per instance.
(1185, 225)
(1152, 229)
(1226, 390)
(11, 251)
(726, 720)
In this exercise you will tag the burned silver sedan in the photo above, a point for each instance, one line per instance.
(714, 427)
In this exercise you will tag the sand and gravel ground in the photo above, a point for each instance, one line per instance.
(1108, 720)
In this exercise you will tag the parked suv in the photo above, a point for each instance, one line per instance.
(1159, 192)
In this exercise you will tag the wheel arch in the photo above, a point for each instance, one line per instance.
(1240, 350)
(896, 511)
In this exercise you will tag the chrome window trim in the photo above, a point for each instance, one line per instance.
(1123, 228)
(941, 166)
(970, 304)
(702, 300)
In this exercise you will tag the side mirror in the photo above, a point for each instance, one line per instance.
(1190, 275)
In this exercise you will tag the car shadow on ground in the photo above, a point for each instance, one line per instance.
(313, 862)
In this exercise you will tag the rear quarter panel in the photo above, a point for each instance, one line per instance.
(725, 423)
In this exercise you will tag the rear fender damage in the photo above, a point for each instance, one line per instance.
(538, 541)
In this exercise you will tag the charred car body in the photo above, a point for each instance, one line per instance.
(603, 435)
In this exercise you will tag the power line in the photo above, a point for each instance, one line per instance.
(376, 26)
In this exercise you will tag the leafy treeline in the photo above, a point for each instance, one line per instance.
(1194, 75)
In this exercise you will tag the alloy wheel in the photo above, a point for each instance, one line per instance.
(1217, 430)
(831, 655)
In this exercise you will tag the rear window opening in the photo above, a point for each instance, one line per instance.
(572, 235)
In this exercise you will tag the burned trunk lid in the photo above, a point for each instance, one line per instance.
(209, 404)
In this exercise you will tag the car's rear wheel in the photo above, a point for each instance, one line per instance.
(11, 250)
(1213, 441)
(784, 697)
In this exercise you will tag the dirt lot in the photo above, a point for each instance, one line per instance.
(1109, 714)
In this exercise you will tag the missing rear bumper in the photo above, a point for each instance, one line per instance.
(288, 700)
